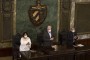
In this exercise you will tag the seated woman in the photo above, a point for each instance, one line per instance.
(25, 44)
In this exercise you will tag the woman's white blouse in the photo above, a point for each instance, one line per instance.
(23, 45)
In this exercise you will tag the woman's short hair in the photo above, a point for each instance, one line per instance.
(24, 34)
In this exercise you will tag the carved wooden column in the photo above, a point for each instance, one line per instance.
(7, 18)
(0, 20)
(65, 14)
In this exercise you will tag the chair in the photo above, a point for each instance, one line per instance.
(40, 38)
(15, 46)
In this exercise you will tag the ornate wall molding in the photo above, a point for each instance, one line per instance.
(58, 17)
(65, 10)
(5, 45)
(7, 22)
(14, 17)
(72, 15)
(72, 20)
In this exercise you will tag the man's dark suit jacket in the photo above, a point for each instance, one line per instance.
(71, 38)
(46, 39)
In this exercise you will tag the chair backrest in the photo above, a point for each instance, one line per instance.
(40, 38)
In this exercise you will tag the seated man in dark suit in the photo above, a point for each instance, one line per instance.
(48, 37)
(72, 37)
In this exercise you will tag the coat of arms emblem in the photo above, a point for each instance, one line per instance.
(37, 13)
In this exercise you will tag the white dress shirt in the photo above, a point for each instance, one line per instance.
(50, 34)
(23, 45)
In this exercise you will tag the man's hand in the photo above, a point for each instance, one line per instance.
(51, 38)
(75, 37)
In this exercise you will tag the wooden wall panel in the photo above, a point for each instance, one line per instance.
(82, 17)
(7, 26)
(65, 14)
(7, 20)
(84, 42)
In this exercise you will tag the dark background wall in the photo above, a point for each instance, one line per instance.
(22, 20)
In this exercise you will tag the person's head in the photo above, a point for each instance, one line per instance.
(73, 30)
(49, 28)
(25, 34)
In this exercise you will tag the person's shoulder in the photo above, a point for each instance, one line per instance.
(28, 37)
(22, 38)
(44, 31)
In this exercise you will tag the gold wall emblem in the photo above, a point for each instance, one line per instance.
(37, 13)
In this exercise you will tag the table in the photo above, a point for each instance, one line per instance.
(61, 53)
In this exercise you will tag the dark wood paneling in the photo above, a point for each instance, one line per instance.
(7, 26)
(83, 41)
(7, 5)
(80, 56)
(41, 58)
(7, 20)
(5, 52)
(55, 57)
(88, 55)
(82, 17)
(65, 14)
